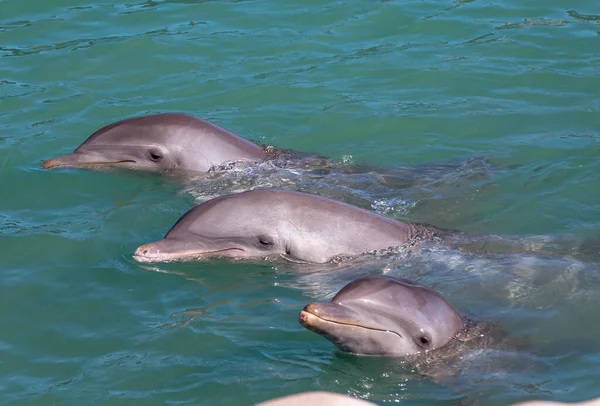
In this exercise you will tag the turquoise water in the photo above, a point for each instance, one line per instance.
(494, 105)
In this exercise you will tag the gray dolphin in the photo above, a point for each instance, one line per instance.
(296, 226)
(380, 315)
(161, 142)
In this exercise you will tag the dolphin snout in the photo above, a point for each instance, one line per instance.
(86, 159)
(144, 249)
(308, 319)
(72, 160)
(146, 253)
(308, 313)
(312, 308)
(171, 249)
(52, 163)
(319, 313)
(314, 315)
(329, 311)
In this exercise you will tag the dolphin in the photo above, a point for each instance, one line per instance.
(381, 315)
(295, 226)
(322, 398)
(316, 398)
(161, 143)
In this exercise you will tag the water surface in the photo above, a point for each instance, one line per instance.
(495, 106)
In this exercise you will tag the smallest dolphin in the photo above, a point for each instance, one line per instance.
(160, 143)
(380, 315)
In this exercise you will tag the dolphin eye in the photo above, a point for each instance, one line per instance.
(265, 241)
(424, 341)
(155, 155)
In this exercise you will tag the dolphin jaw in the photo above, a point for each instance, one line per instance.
(310, 315)
(79, 160)
(149, 253)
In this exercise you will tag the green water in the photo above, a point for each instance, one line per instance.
(389, 84)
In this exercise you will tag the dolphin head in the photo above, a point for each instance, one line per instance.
(159, 143)
(237, 226)
(380, 315)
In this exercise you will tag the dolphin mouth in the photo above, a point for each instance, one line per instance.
(315, 322)
(79, 160)
(148, 254)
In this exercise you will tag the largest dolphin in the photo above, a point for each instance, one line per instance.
(160, 143)
(296, 226)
